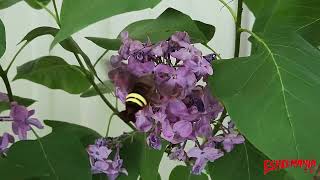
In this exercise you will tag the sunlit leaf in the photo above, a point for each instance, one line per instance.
(76, 16)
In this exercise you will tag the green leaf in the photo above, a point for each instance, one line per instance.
(74, 16)
(110, 44)
(139, 159)
(61, 157)
(68, 44)
(35, 3)
(184, 172)
(244, 162)
(169, 22)
(2, 38)
(20, 100)
(272, 95)
(55, 73)
(105, 88)
(7, 3)
(85, 135)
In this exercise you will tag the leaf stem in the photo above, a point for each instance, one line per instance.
(6, 82)
(56, 11)
(237, 29)
(48, 10)
(109, 122)
(230, 10)
(217, 54)
(220, 121)
(257, 38)
(15, 56)
(99, 59)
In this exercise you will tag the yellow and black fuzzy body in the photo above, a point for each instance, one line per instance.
(138, 98)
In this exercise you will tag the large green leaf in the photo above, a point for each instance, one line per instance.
(60, 156)
(75, 16)
(184, 172)
(7, 3)
(169, 22)
(20, 100)
(105, 87)
(85, 135)
(139, 159)
(2, 39)
(273, 94)
(244, 162)
(35, 3)
(55, 73)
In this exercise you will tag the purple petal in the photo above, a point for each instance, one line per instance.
(115, 61)
(203, 128)
(195, 152)
(177, 154)
(212, 153)
(183, 128)
(35, 122)
(182, 54)
(19, 113)
(159, 117)
(15, 127)
(22, 133)
(238, 140)
(199, 166)
(177, 108)
(167, 130)
(124, 35)
(143, 122)
(5, 140)
(101, 165)
(154, 141)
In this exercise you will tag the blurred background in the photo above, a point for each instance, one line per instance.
(91, 112)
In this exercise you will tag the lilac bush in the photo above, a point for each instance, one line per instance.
(182, 108)
(163, 79)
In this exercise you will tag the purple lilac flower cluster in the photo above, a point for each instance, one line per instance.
(99, 154)
(21, 120)
(182, 108)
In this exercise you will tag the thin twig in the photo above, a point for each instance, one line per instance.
(48, 10)
(6, 82)
(217, 54)
(15, 56)
(220, 121)
(99, 59)
(56, 11)
(230, 10)
(237, 31)
(109, 123)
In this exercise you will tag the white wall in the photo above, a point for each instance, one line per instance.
(91, 112)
